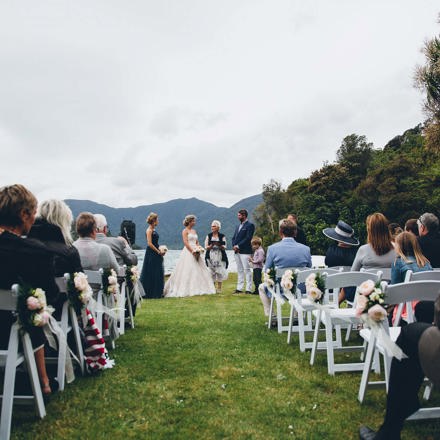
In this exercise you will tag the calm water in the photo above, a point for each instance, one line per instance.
(171, 257)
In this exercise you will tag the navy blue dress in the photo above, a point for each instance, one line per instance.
(152, 277)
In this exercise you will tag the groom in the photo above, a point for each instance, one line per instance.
(241, 243)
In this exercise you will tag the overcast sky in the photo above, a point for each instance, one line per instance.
(136, 102)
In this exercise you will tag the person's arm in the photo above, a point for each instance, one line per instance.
(250, 229)
(309, 258)
(395, 272)
(269, 259)
(357, 263)
(207, 245)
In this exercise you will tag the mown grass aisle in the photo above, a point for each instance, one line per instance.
(207, 368)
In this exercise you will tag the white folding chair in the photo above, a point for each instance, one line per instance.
(94, 277)
(302, 307)
(333, 318)
(406, 293)
(69, 324)
(386, 272)
(10, 359)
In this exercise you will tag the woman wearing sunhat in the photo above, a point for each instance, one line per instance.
(342, 252)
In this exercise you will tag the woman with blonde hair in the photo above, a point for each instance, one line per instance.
(152, 275)
(191, 276)
(379, 251)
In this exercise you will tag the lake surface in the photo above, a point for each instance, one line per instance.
(172, 256)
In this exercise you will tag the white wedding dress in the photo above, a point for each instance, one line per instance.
(191, 276)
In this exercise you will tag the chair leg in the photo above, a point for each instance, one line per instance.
(130, 307)
(289, 331)
(329, 343)
(33, 374)
(367, 367)
(279, 318)
(269, 321)
(77, 337)
(315, 337)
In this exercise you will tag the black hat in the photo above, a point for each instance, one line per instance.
(343, 232)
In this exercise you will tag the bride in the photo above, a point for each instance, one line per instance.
(191, 276)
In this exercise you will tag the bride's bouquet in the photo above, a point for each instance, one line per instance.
(197, 251)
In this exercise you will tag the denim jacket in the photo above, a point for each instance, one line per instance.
(400, 267)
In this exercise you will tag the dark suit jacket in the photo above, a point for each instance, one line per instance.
(243, 238)
(31, 261)
(430, 245)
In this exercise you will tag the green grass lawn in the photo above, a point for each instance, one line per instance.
(208, 368)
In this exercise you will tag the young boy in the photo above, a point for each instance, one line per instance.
(257, 261)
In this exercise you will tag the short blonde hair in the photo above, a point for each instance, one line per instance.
(188, 219)
(152, 217)
(216, 223)
(256, 240)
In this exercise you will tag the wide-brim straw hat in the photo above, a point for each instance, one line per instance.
(429, 354)
(342, 232)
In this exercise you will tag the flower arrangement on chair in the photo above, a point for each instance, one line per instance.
(315, 287)
(370, 301)
(131, 275)
(79, 292)
(109, 281)
(269, 277)
(288, 280)
(32, 307)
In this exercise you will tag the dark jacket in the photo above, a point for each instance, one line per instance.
(242, 238)
(223, 243)
(30, 261)
(430, 244)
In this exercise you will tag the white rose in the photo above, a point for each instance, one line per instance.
(80, 281)
(112, 279)
(377, 313)
(366, 287)
(314, 294)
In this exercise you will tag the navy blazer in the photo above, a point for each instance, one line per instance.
(243, 238)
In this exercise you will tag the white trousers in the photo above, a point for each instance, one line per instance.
(243, 270)
(265, 300)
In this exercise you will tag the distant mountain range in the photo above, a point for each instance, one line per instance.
(171, 215)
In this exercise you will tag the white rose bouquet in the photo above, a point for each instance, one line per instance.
(288, 280)
(79, 292)
(370, 301)
(32, 307)
(198, 251)
(315, 287)
(110, 281)
(163, 249)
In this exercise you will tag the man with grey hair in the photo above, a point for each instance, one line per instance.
(429, 239)
(119, 245)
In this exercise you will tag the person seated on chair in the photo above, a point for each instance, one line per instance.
(342, 253)
(300, 236)
(285, 253)
(53, 228)
(429, 238)
(94, 256)
(119, 245)
(409, 257)
(421, 343)
(26, 260)
(379, 251)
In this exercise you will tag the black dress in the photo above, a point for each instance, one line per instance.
(152, 277)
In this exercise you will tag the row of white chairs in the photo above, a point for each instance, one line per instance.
(19, 353)
(332, 319)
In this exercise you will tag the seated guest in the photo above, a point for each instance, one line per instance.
(420, 341)
(53, 227)
(411, 226)
(429, 238)
(395, 230)
(409, 257)
(119, 245)
(300, 235)
(27, 260)
(94, 256)
(379, 251)
(285, 253)
(342, 253)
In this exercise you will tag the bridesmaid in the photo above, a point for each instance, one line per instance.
(152, 276)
